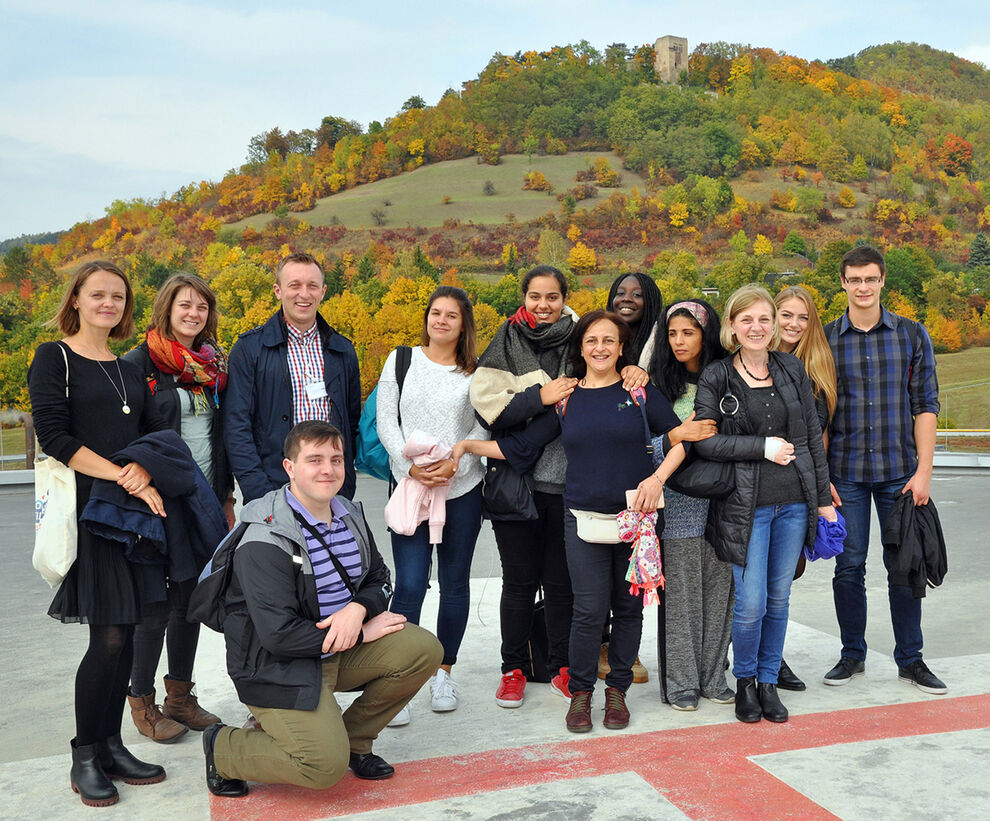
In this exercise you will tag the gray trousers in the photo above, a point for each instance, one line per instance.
(695, 616)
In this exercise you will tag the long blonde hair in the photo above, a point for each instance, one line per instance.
(813, 349)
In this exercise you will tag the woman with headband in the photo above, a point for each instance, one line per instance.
(695, 614)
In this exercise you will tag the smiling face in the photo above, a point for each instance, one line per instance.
(863, 283)
(316, 473)
(793, 316)
(753, 326)
(544, 299)
(685, 339)
(188, 316)
(628, 301)
(101, 300)
(444, 321)
(300, 289)
(601, 348)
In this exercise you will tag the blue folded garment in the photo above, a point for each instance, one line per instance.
(828, 539)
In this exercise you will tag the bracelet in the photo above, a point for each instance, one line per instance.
(654, 476)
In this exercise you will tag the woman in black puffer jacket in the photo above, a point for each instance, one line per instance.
(768, 427)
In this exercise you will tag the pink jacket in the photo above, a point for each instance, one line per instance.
(413, 503)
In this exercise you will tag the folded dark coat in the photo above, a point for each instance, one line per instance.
(174, 548)
(913, 544)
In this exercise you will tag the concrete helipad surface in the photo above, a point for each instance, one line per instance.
(874, 749)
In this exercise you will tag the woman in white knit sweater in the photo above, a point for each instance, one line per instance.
(434, 399)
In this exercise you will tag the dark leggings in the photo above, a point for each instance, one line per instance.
(182, 637)
(101, 682)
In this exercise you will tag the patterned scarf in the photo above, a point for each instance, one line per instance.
(523, 353)
(205, 368)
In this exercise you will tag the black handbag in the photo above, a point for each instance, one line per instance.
(539, 647)
(507, 495)
(708, 478)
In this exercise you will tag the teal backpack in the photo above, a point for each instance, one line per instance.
(371, 457)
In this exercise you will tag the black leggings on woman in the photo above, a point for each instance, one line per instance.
(183, 637)
(101, 682)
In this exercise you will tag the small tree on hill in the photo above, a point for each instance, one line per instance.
(979, 252)
(794, 244)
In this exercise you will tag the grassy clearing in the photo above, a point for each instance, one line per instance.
(416, 197)
(964, 383)
(12, 444)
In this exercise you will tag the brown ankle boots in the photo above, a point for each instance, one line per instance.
(182, 706)
(150, 722)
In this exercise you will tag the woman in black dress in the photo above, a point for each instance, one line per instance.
(87, 405)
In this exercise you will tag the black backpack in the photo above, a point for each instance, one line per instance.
(208, 602)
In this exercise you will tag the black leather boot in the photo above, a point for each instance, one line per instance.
(773, 710)
(747, 701)
(118, 762)
(88, 779)
(216, 783)
(786, 680)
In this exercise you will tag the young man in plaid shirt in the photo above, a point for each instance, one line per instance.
(882, 444)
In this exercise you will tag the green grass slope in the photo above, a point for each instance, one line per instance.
(416, 197)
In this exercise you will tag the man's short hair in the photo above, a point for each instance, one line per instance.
(860, 256)
(312, 430)
(298, 256)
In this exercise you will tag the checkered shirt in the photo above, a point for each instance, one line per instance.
(883, 384)
(305, 355)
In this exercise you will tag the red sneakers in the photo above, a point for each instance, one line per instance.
(510, 691)
(561, 683)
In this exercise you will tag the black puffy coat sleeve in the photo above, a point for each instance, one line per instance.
(722, 447)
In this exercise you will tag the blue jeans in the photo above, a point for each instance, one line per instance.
(849, 582)
(763, 589)
(413, 558)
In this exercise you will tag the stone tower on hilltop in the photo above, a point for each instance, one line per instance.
(671, 59)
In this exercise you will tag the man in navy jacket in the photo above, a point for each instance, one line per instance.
(293, 368)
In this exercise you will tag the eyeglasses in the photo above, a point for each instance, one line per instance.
(856, 281)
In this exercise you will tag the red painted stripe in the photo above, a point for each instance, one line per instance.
(704, 771)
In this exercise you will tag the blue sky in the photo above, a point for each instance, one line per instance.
(101, 99)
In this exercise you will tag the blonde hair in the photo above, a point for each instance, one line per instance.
(741, 299)
(66, 318)
(813, 349)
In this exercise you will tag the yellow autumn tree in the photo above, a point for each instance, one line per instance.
(573, 233)
(762, 247)
(582, 259)
(847, 199)
(677, 214)
(946, 333)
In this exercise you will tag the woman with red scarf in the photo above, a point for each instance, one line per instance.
(186, 372)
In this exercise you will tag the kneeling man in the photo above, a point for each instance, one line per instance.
(306, 617)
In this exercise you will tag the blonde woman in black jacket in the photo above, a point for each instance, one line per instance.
(763, 404)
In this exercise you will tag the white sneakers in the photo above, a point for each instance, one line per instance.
(443, 698)
(401, 718)
(443, 692)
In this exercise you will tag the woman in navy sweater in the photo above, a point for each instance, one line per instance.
(605, 440)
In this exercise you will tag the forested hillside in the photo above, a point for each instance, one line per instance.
(756, 166)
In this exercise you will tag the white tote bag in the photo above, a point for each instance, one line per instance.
(54, 512)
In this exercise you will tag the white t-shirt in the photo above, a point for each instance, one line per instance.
(434, 400)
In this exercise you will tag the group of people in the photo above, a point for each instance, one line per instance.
(577, 419)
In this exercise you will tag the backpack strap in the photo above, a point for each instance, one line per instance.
(403, 358)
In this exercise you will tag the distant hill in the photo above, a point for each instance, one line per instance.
(919, 69)
(48, 238)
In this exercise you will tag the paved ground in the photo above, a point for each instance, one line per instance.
(875, 749)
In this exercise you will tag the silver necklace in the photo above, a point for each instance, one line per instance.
(123, 397)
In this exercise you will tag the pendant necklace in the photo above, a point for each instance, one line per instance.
(123, 397)
(753, 375)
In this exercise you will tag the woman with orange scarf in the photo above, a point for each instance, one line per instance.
(187, 372)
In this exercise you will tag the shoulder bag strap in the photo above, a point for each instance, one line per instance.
(639, 399)
(338, 565)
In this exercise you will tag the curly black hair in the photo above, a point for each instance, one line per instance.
(652, 309)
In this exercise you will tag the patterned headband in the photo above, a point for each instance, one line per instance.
(696, 309)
